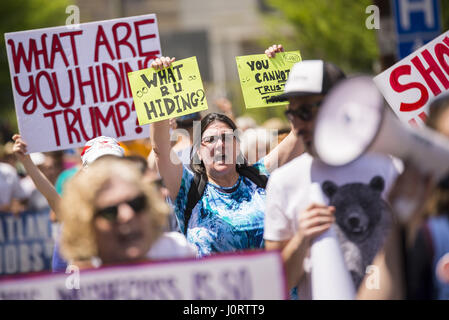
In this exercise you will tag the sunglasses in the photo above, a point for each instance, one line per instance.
(305, 112)
(110, 213)
(214, 139)
(159, 183)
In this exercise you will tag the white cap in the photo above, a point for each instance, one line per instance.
(305, 77)
(310, 77)
(98, 147)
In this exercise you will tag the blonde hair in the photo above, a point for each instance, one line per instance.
(77, 207)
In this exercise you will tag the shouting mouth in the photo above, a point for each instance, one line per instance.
(130, 237)
(220, 158)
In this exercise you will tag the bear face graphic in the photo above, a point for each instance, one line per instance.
(358, 206)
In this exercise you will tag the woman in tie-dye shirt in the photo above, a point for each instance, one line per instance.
(230, 214)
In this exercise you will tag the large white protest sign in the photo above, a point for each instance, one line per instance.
(413, 82)
(244, 276)
(71, 85)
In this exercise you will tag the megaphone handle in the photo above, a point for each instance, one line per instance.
(330, 277)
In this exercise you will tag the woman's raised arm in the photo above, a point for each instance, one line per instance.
(40, 180)
(168, 163)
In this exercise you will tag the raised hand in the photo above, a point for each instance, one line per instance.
(275, 48)
(162, 62)
(315, 220)
(20, 147)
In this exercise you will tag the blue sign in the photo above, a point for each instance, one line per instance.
(417, 22)
(26, 242)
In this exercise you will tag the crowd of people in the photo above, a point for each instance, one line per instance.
(237, 186)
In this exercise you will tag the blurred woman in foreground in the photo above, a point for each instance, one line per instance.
(111, 216)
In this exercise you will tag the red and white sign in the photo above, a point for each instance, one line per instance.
(412, 83)
(71, 85)
(257, 275)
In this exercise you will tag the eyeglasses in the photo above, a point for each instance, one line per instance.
(214, 139)
(305, 112)
(110, 213)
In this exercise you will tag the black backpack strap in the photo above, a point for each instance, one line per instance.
(254, 175)
(195, 193)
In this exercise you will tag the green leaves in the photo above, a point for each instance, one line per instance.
(329, 30)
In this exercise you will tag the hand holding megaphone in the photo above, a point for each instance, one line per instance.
(353, 120)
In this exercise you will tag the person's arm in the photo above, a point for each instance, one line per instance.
(292, 145)
(389, 264)
(289, 148)
(293, 253)
(168, 163)
(387, 282)
(40, 180)
(314, 221)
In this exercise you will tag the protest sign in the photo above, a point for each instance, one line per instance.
(26, 243)
(247, 276)
(262, 77)
(70, 85)
(168, 93)
(411, 84)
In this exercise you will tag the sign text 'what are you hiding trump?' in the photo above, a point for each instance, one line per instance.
(70, 85)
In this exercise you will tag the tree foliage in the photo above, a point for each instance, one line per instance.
(444, 14)
(327, 29)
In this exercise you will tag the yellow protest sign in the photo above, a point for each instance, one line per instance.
(262, 77)
(168, 93)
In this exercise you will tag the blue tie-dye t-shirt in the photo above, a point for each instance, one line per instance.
(224, 219)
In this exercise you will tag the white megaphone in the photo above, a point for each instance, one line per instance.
(353, 120)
